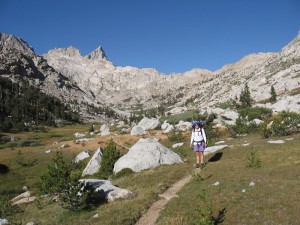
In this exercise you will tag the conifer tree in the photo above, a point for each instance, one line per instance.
(273, 94)
(109, 158)
(245, 97)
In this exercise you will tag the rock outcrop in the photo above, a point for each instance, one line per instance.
(94, 164)
(145, 154)
(105, 190)
(149, 123)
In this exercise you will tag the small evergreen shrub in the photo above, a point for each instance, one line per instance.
(250, 113)
(284, 123)
(78, 196)
(252, 160)
(109, 158)
(57, 176)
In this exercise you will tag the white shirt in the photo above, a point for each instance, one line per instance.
(197, 136)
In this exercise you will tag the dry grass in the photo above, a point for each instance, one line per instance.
(273, 200)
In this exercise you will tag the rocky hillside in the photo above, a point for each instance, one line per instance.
(65, 73)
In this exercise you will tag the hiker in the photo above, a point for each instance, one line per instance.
(199, 141)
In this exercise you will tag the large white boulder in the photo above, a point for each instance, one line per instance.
(145, 154)
(183, 126)
(94, 164)
(105, 189)
(81, 156)
(166, 127)
(213, 149)
(149, 123)
(137, 130)
(104, 130)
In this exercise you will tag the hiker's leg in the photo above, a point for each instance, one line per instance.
(198, 157)
(201, 155)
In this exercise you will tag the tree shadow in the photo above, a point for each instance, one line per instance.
(220, 218)
(216, 157)
(3, 169)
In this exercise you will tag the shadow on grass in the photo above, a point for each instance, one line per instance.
(221, 217)
(216, 157)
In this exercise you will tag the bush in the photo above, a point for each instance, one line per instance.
(252, 160)
(175, 136)
(6, 208)
(284, 123)
(240, 127)
(78, 196)
(29, 143)
(124, 172)
(24, 163)
(211, 133)
(186, 116)
(250, 113)
(109, 157)
(56, 178)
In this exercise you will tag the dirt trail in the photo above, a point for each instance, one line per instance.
(153, 213)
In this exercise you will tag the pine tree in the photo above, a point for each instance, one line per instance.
(109, 157)
(245, 97)
(273, 94)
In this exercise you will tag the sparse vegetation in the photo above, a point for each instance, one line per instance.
(282, 124)
(186, 116)
(175, 136)
(252, 160)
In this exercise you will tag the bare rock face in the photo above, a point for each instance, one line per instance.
(93, 79)
(94, 164)
(145, 154)
(149, 123)
(137, 130)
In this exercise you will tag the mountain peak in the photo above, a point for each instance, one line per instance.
(12, 42)
(98, 53)
(69, 52)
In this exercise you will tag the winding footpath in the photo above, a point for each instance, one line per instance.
(153, 213)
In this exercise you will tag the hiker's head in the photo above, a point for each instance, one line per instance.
(197, 126)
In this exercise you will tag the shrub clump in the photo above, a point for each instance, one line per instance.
(252, 160)
(175, 136)
(109, 158)
(282, 124)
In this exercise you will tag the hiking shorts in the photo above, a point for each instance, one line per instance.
(199, 147)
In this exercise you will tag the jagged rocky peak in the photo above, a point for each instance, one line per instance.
(12, 42)
(293, 47)
(98, 53)
(70, 52)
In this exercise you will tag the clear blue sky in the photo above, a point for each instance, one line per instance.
(169, 35)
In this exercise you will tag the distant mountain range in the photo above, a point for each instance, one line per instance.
(93, 79)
